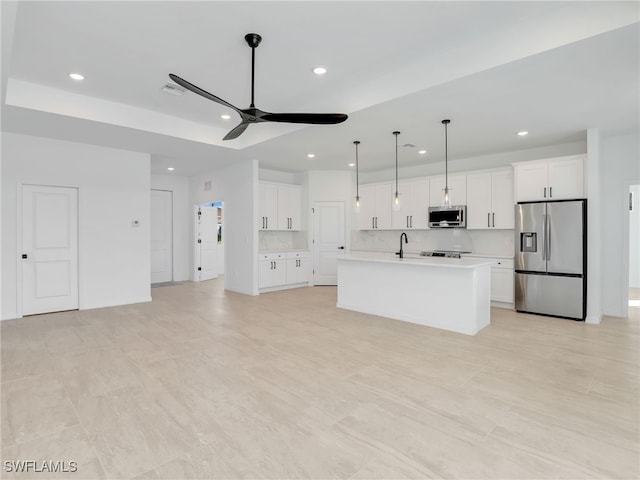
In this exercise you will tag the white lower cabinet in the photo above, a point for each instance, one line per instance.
(281, 270)
(297, 268)
(502, 279)
(273, 270)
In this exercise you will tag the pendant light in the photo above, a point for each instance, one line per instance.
(396, 197)
(356, 205)
(446, 199)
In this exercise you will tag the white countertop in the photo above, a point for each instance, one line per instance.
(487, 255)
(379, 253)
(413, 259)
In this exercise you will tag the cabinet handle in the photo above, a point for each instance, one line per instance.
(488, 217)
(372, 223)
(550, 191)
(545, 192)
(493, 219)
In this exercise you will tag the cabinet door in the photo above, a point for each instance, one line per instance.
(295, 207)
(419, 213)
(367, 207)
(400, 218)
(479, 200)
(457, 189)
(279, 272)
(502, 214)
(265, 274)
(292, 270)
(303, 270)
(289, 198)
(383, 196)
(566, 179)
(530, 181)
(502, 285)
(268, 198)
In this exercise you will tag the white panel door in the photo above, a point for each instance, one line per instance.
(479, 208)
(328, 241)
(49, 249)
(208, 242)
(161, 236)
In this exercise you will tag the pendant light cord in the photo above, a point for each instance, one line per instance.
(356, 142)
(446, 155)
(396, 135)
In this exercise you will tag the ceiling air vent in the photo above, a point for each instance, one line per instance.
(173, 89)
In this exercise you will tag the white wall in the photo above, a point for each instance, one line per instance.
(634, 239)
(237, 187)
(620, 168)
(113, 187)
(181, 221)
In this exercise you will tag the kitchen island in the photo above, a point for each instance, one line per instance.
(448, 293)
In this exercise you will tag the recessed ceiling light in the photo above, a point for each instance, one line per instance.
(352, 164)
(171, 169)
(320, 70)
(422, 152)
(311, 155)
(76, 76)
(523, 133)
(225, 116)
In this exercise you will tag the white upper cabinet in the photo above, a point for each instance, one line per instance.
(289, 199)
(375, 206)
(414, 205)
(268, 198)
(551, 179)
(280, 206)
(457, 190)
(490, 199)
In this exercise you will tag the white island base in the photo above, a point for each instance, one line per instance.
(448, 293)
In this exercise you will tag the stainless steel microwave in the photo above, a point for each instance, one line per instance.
(454, 216)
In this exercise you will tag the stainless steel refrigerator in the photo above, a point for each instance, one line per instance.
(551, 258)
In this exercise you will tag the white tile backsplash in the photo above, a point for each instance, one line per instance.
(488, 242)
(282, 240)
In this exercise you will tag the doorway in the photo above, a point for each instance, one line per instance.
(161, 236)
(49, 253)
(328, 241)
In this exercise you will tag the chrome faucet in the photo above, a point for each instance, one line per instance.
(406, 240)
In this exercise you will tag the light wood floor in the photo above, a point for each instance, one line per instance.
(206, 384)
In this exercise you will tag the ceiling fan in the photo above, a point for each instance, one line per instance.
(255, 115)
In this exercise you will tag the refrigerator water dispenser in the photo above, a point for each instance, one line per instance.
(528, 242)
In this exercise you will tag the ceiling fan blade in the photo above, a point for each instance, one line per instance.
(236, 132)
(312, 118)
(195, 89)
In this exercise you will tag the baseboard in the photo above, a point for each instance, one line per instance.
(92, 306)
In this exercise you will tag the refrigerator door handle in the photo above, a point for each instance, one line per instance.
(544, 237)
(548, 239)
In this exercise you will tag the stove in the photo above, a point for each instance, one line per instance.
(443, 253)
